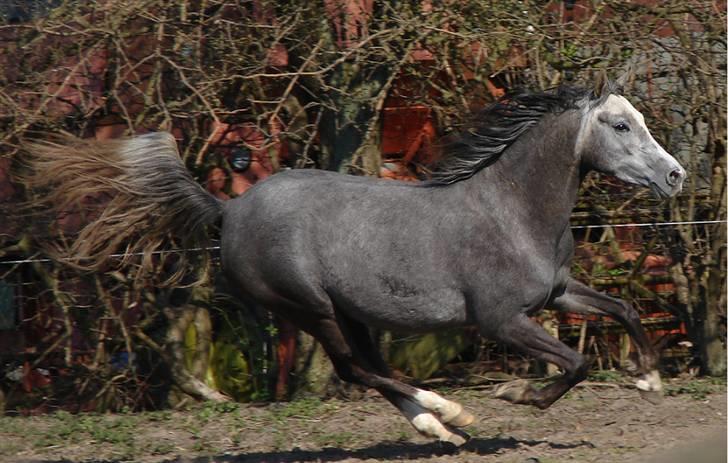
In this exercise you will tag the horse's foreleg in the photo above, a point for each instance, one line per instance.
(580, 298)
(530, 338)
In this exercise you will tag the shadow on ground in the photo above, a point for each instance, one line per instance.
(382, 452)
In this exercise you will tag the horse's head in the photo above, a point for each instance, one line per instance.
(615, 140)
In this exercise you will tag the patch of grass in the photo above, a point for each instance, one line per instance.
(65, 428)
(14, 425)
(117, 432)
(10, 448)
(281, 439)
(606, 376)
(235, 437)
(203, 446)
(126, 453)
(210, 410)
(159, 416)
(194, 429)
(718, 381)
(162, 448)
(697, 389)
(303, 408)
(403, 434)
(335, 439)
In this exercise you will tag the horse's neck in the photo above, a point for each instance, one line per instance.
(538, 176)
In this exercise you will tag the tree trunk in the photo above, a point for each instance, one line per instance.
(313, 370)
(188, 358)
(346, 125)
(713, 349)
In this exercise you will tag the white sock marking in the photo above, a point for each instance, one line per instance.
(423, 421)
(445, 409)
(650, 382)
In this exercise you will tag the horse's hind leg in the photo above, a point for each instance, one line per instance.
(580, 298)
(530, 338)
(425, 421)
(448, 412)
(353, 367)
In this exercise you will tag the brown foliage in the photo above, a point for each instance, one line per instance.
(315, 77)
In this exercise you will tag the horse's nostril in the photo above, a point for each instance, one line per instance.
(674, 177)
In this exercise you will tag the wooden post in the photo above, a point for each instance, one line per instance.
(593, 341)
(624, 347)
(551, 325)
(582, 336)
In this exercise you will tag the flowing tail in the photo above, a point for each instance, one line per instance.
(135, 193)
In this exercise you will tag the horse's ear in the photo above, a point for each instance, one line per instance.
(601, 84)
(626, 76)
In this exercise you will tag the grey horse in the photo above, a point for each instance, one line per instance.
(485, 242)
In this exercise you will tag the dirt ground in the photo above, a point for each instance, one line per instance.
(598, 422)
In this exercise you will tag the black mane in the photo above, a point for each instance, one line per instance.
(496, 127)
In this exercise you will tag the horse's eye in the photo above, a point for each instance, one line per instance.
(621, 127)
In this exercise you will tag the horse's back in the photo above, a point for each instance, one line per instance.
(286, 223)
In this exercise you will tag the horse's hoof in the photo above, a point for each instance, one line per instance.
(653, 397)
(457, 438)
(512, 391)
(462, 419)
(650, 387)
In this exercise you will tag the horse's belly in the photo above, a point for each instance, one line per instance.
(404, 309)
